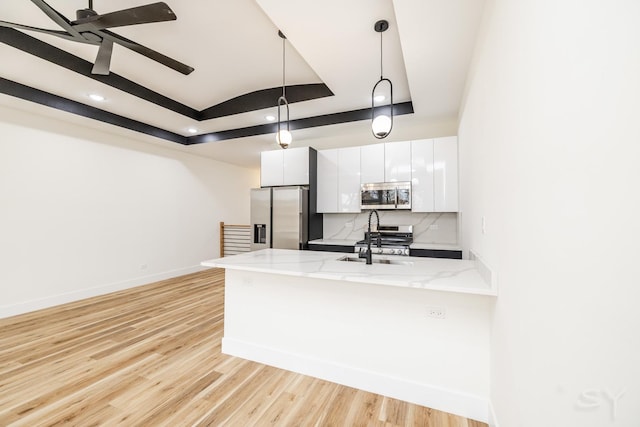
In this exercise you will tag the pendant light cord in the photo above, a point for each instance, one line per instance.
(283, 66)
(381, 55)
(282, 101)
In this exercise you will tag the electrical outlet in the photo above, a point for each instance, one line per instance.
(436, 312)
(143, 266)
(434, 227)
(484, 226)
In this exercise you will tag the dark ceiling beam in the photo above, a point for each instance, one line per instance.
(266, 98)
(33, 46)
(257, 100)
(252, 101)
(28, 93)
(309, 122)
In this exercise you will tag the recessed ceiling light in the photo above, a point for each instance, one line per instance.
(379, 98)
(96, 97)
(192, 130)
(270, 118)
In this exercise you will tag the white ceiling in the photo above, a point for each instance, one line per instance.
(235, 49)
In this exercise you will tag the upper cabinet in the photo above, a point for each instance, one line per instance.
(284, 167)
(434, 170)
(349, 179)
(422, 176)
(339, 180)
(271, 170)
(371, 163)
(397, 161)
(388, 162)
(328, 180)
(445, 176)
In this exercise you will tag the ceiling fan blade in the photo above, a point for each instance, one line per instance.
(57, 17)
(145, 51)
(156, 12)
(103, 60)
(57, 33)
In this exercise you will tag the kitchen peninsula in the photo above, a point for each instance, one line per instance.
(416, 329)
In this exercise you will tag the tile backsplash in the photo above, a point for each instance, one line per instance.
(441, 228)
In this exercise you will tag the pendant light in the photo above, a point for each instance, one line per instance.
(382, 116)
(283, 136)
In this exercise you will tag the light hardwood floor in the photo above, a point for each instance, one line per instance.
(151, 356)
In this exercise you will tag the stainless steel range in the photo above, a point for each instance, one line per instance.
(388, 240)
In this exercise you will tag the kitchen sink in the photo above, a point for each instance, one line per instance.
(351, 258)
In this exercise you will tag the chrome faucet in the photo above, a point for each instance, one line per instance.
(367, 254)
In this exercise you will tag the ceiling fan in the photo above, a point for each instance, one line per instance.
(91, 27)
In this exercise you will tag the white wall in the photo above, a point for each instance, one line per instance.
(85, 212)
(550, 149)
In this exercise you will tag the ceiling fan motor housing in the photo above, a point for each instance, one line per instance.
(85, 13)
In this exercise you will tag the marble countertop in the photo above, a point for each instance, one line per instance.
(439, 274)
(414, 245)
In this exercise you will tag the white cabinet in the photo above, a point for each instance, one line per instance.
(328, 181)
(271, 171)
(430, 164)
(434, 179)
(397, 161)
(349, 179)
(388, 162)
(372, 163)
(422, 176)
(296, 166)
(445, 176)
(284, 167)
(339, 180)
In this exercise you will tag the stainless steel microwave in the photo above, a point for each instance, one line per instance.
(385, 195)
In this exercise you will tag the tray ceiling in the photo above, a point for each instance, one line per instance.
(332, 61)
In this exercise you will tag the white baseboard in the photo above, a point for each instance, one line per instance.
(455, 402)
(53, 300)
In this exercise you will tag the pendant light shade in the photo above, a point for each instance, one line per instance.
(283, 135)
(381, 116)
(381, 126)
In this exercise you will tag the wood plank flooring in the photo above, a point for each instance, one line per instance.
(150, 356)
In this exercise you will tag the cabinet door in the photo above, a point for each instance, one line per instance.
(271, 172)
(397, 161)
(445, 179)
(296, 166)
(349, 179)
(372, 163)
(422, 176)
(328, 181)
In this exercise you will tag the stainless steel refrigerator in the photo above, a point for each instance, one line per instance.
(279, 218)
